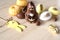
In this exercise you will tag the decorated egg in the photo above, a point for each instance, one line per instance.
(53, 29)
(54, 11)
(45, 16)
(39, 8)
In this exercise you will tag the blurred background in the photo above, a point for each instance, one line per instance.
(32, 32)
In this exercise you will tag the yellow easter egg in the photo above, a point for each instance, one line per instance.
(21, 2)
(14, 10)
(54, 11)
(39, 8)
(53, 29)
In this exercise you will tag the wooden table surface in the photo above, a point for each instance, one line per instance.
(32, 32)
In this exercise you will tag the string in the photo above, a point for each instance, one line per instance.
(5, 20)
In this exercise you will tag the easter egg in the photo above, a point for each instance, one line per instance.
(54, 11)
(53, 29)
(14, 10)
(45, 16)
(39, 8)
(21, 2)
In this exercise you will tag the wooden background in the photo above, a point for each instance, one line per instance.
(32, 32)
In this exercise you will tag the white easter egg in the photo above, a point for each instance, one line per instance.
(45, 16)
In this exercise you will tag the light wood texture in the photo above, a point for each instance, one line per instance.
(32, 32)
